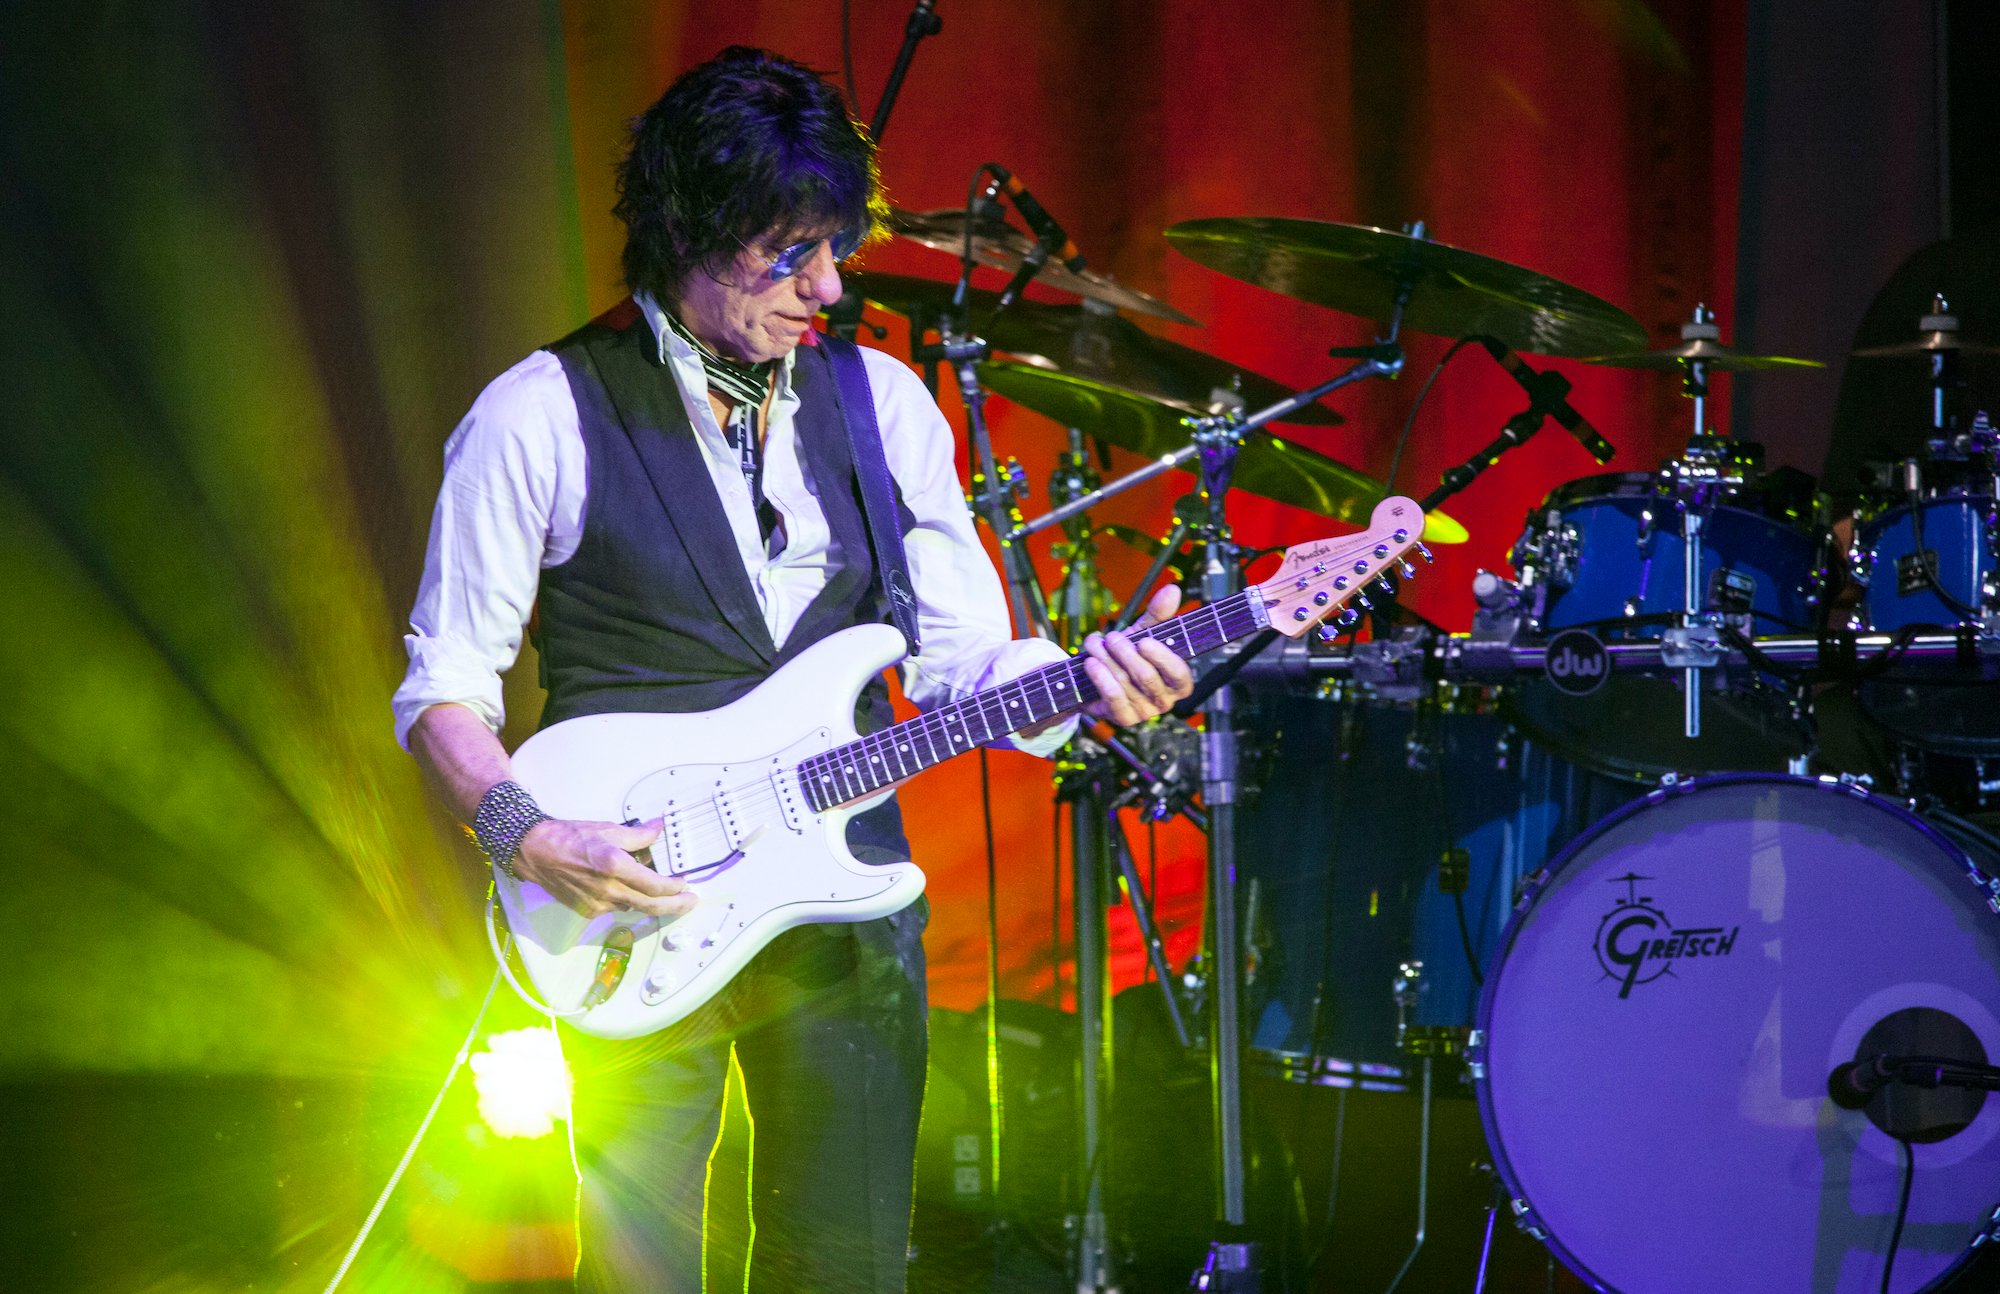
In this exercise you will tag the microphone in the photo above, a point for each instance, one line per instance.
(1550, 393)
(1854, 1085)
(1046, 229)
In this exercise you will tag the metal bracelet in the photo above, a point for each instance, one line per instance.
(506, 813)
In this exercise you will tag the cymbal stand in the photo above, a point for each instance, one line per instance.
(1084, 601)
(1087, 778)
(995, 495)
(1693, 645)
(1234, 1259)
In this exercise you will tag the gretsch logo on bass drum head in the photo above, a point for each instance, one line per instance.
(1576, 662)
(1636, 944)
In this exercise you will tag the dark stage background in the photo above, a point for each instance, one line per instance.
(258, 258)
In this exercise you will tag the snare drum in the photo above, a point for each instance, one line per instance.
(1658, 1032)
(1933, 563)
(1606, 554)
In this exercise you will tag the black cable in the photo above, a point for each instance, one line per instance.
(1344, 752)
(1928, 571)
(1893, 651)
(1451, 843)
(847, 54)
(1902, 1211)
(1402, 440)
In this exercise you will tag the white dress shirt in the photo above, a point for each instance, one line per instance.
(513, 503)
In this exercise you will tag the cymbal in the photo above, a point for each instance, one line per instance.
(1088, 341)
(1453, 293)
(1928, 343)
(1000, 246)
(1708, 350)
(1265, 465)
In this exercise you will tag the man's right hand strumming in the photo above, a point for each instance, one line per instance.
(590, 868)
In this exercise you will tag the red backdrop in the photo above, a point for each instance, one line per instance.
(1593, 140)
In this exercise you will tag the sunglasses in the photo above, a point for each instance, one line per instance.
(792, 259)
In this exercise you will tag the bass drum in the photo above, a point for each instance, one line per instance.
(1657, 1036)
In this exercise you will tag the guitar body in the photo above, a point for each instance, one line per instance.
(738, 828)
(756, 796)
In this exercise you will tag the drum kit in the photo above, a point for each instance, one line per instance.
(1626, 903)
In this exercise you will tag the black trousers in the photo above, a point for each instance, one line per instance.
(828, 1026)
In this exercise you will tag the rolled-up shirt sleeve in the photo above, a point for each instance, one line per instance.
(962, 615)
(501, 504)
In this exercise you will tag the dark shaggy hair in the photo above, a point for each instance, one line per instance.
(743, 145)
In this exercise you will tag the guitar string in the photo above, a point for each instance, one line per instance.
(1228, 617)
(1232, 618)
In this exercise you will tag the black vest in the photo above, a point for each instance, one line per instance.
(655, 611)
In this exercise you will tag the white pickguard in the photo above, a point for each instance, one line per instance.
(722, 780)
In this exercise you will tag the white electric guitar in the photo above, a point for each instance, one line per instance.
(757, 794)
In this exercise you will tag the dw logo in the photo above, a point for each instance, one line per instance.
(1576, 662)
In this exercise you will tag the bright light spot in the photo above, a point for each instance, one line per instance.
(522, 1082)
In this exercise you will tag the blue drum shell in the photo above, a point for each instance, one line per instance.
(1610, 568)
(1590, 569)
(1959, 529)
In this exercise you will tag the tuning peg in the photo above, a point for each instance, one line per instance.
(1409, 571)
(1350, 618)
(1424, 553)
(1366, 605)
(1326, 633)
(1386, 585)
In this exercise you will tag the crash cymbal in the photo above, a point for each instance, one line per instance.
(1089, 341)
(1265, 465)
(1452, 292)
(1708, 350)
(1000, 246)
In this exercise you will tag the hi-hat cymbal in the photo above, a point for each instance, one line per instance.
(1358, 269)
(1000, 246)
(1265, 465)
(1707, 350)
(1089, 341)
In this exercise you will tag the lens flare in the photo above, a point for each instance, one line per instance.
(522, 1082)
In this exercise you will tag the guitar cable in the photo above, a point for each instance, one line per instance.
(410, 1152)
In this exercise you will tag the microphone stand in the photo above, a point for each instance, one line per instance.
(923, 22)
(843, 317)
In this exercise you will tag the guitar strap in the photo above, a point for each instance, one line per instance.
(871, 470)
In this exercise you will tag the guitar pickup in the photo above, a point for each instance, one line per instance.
(791, 799)
(731, 815)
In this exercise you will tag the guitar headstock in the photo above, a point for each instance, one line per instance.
(1320, 578)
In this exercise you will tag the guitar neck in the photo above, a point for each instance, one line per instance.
(895, 754)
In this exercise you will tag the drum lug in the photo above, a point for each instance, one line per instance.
(1525, 1220)
(1475, 1055)
(1669, 784)
(1860, 784)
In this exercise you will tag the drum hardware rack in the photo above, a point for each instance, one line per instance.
(1406, 664)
